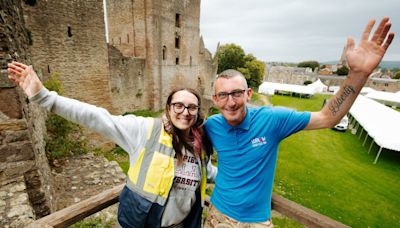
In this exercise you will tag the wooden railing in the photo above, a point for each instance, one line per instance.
(81, 210)
(85, 208)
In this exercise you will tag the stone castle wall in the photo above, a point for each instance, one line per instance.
(69, 38)
(127, 81)
(388, 85)
(25, 179)
(294, 75)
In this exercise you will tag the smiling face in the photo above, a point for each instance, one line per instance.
(183, 110)
(232, 106)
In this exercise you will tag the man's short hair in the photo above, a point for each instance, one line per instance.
(230, 73)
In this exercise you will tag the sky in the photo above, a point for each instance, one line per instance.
(294, 30)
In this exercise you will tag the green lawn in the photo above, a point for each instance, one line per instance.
(332, 173)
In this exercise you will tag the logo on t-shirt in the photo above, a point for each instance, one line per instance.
(258, 141)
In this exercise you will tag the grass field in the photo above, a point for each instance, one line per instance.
(332, 173)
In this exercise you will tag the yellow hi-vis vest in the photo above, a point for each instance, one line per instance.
(153, 173)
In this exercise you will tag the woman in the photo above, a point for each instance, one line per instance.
(166, 180)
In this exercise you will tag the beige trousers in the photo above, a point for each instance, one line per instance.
(216, 219)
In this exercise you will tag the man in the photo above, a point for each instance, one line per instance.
(246, 139)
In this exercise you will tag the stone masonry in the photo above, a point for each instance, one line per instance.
(25, 178)
(81, 177)
(68, 37)
(297, 76)
(166, 35)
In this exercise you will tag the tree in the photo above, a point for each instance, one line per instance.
(395, 69)
(397, 75)
(307, 82)
(256, 69)
(230, 56)
(342, 71)
(311, 64)
(249, 58)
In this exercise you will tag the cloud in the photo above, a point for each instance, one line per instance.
(294, 30)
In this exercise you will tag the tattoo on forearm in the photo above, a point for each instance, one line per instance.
(337, 102)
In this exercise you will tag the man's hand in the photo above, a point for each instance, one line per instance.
(25, 77)
(364, 59)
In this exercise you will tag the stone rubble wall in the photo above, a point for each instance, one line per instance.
(25, 177)
(15, 209)
(81, 177)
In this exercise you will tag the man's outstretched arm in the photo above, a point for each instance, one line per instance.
(362, 61)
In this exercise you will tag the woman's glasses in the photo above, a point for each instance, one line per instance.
(180, 108)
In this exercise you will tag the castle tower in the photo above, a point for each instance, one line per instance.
(343, 58)
(166, 35)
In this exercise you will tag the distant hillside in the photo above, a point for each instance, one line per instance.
(329, 62)
(390, 64)
(384, 64)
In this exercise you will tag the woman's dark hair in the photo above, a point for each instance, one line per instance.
(196, 135)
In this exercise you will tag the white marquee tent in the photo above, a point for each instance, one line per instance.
(267, 87)
(318, 86)
(379, 122)
(387, 98)
(366, 90)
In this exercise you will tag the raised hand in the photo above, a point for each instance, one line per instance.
(366, 57)
(25, 77)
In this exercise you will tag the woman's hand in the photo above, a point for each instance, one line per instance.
(25, 77)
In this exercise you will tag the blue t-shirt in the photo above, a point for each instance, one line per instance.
(247, 156)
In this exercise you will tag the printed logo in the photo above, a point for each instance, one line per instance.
(258, 141)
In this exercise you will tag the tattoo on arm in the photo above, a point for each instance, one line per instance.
(336, 103)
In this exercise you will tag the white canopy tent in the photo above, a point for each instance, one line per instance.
(318, 86)
(380, 122)
(387, 98)
(366, 90)
(266, 90)
(266, 87)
